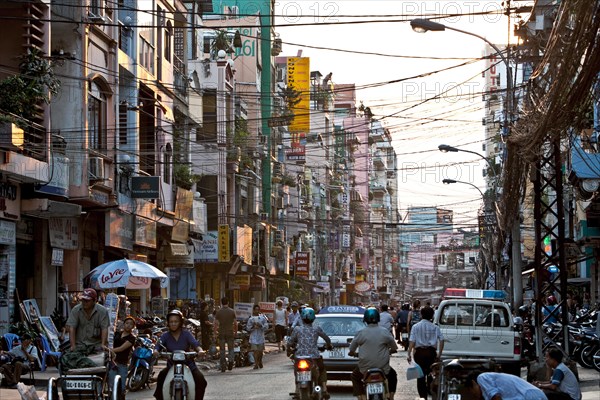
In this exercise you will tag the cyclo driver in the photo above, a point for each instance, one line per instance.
(88, 324)
(304, 338)
(375, 343)
(179, 339)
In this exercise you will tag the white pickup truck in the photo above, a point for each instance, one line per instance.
(479, 324)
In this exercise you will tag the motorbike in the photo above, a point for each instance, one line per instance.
(142, 364)
(306, 374)
(376, 385)
(241, 349)
(179, 382)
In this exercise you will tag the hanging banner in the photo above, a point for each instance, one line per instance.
(183, 214)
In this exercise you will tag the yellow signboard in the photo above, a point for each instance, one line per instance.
(298, 78)
(223, 243)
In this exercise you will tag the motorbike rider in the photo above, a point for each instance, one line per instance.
(304, 339)
(176, 338)
(374, 344)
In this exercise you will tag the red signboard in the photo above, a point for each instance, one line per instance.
(302, 264)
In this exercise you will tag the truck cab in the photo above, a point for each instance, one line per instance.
(478, 324)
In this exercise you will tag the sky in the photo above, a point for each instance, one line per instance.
(452, 115)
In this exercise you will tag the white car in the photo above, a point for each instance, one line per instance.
(341, 329)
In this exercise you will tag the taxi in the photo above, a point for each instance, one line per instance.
(341, 324)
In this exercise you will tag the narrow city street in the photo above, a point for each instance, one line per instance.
(275, 382)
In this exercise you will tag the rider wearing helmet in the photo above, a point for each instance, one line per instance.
(304, 338)
(375, 344)
(176, 338)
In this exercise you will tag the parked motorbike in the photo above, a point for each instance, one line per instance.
(179, 382)
(142, 364)
(242, 349)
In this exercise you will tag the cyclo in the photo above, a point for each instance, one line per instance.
(90, 383)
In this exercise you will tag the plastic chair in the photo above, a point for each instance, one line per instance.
(10, 339)
(46, 352)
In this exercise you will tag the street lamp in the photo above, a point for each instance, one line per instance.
(444, 148)
(423, 25)
(451, 181)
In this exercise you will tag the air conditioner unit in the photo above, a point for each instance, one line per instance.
(303, 214)
(264, 216)
(96, 168)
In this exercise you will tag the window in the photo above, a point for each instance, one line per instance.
(168, 41)
(167, 163)
(96, 118)
(96, 7)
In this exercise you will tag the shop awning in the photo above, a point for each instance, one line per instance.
(584, 165)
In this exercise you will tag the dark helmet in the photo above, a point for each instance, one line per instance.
(307, 315)
(551, 300)
(523, 310)
(176, 312)
(371, 316)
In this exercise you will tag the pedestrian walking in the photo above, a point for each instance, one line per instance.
(425, 337)
(226, 326)
(280, 324)
(257, 325)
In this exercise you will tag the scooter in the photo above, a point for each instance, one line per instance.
(306, 374)
(376, 385)
(179, 382)
(142, 364)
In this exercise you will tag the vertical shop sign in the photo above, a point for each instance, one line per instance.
(301, 268)
(223, 243)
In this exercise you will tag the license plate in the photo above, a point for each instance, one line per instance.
(337, 352)
(303, 376)
(375, 388)
(78, 385)
(454, 397)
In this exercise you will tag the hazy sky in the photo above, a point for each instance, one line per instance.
(417, 128)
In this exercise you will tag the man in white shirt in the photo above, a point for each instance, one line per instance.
(563, 384)
(424, 340)
(492, 385)
(24, 357)
(386, 320)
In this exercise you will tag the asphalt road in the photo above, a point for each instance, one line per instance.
(276, 380)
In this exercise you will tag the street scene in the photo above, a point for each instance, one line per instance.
(276, 381)
(307, 200)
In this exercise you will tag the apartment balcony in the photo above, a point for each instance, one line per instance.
(378, 162)
(180, 80)
(378, 189)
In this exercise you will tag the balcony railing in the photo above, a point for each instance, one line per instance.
(180, 81)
